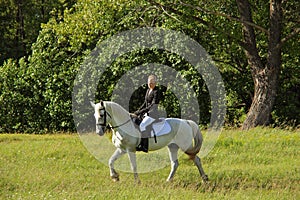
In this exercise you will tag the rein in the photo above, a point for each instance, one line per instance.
(108, 125)
(112, 127)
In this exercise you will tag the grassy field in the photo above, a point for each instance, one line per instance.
(259, 164)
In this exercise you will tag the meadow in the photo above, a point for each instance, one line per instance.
(262, 163)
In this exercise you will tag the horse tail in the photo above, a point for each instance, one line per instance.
(197, 141)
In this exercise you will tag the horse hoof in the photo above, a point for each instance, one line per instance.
(116, 179)
(205, 178)
(169, 180)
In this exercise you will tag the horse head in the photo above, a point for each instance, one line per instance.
(100, 117)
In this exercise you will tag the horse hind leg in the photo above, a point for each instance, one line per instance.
(173, 153)
(197, 162)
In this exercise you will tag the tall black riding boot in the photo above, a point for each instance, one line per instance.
(144, 140)
(143, 146)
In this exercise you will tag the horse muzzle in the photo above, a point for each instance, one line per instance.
(100, 130)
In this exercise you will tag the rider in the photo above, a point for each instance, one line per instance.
(149, 112)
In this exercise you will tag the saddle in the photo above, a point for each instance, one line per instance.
(153, 128)
(161, 127)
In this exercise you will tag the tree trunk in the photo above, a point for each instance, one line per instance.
(266, 76)
(20, 34)
(264, 96)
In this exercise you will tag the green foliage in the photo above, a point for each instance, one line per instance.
(20, 23)
(286, 111)
(14, 99)
(35, 92)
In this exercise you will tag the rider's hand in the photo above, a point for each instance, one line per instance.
(133, 115)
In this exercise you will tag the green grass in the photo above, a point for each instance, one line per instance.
(259, 164)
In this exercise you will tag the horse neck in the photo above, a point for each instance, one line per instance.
(120, 117)
(118, 113)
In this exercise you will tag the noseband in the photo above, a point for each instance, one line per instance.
(104, 124)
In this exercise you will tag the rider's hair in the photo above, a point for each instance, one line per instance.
(152, 77)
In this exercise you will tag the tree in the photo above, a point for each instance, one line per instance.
(20, 23)
(265, 65)
(265, 75)
(36, 90)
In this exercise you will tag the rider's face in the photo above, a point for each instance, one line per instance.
(151, 83)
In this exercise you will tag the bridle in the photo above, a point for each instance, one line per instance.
(104, 124)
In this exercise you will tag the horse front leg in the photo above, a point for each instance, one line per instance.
(117, 154)
(132, 158)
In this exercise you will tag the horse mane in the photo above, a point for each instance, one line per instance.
(120, 114)
(115, 107)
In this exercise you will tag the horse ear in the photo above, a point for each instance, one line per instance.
(92, 104)
(101, 103)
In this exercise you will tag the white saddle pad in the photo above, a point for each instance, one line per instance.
(161, 128)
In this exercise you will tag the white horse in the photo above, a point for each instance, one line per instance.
(184, 135)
